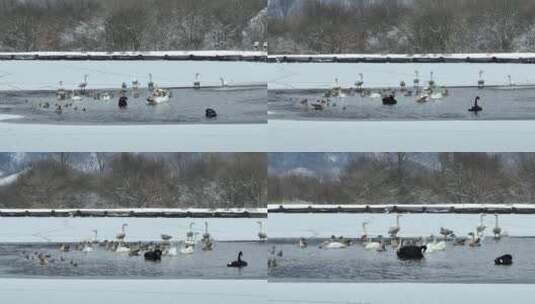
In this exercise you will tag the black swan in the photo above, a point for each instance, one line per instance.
(155, 255)
(238, 263)
(476, 108)
(123, 102)
(411, 252)
(210, 113)
(505, 259)
(389, 100)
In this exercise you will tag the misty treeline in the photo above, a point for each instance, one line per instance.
(166, 180)
(401, 26)
(131, 25)
(395, 178)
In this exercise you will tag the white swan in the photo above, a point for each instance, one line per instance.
(150, 85)
(437, 95)
(122, 233)
(370, 245)
(206, 235)
(435, 246)
(83, 84)
(122, 249)
(158, 96)
(481, 228)
(393, 231)
(197, 82)
(187, 249)
(87, 248)
(172, 251)
(497, 230)
(360, 82)
(364, 236)
(95, 236)
(262, 235)
(190, 236)
(481, 82)
(334, 245)
(376, 95)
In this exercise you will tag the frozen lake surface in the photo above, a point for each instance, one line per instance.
(377, 75)
(497, 103)
(20, 261)
(456, 264)
(77, 229)
(186, 106)
(411, 225)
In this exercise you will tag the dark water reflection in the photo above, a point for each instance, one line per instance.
(102, 263)
(498, 104)
(456, 264)
(233, 105)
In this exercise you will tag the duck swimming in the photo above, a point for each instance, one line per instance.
(239, 263)
(476, 108)
(123, 102)
(505, 259)
(210, 113)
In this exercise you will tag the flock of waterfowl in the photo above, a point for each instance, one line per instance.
(430, 92)
(409, 248)
(71, 100)
(151, 251)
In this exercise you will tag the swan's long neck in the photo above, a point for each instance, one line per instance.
(205, 227)
(397, 220)
(261, 224)
(496, 221)
(364, 228)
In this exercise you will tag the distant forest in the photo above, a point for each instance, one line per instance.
(136, 180)
(397, 178)
(401, 26)
(131, 25)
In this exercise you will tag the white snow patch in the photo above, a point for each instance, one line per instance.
(6, 180)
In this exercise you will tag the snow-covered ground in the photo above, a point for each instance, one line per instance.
(282, 225)
(400, 136)
(17, 137)
(323, 75)
(411, 207)
(46, 75)
(24, 291)
(388, 293)
(516, 55)
(55, 229)
(206, 53)
(6, 180)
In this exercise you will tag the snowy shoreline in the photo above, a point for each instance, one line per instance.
(520, 57)
(227, 55)
(140, 212)
(403, 208)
